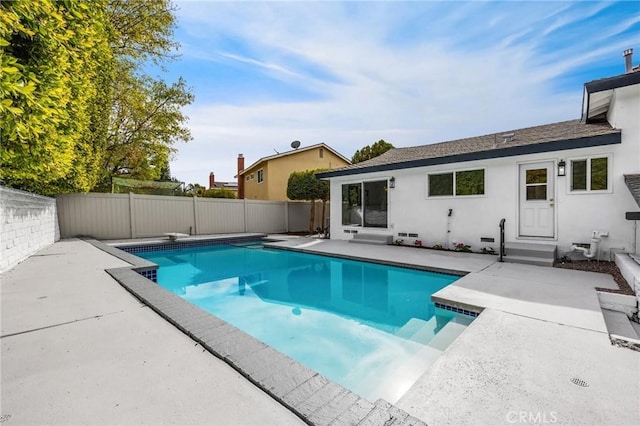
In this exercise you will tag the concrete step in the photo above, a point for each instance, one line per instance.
(371, 238)
(547, 251)
(530, 254)
(528, 260)
(621, 331)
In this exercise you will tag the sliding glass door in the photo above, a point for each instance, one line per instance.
(365, 204)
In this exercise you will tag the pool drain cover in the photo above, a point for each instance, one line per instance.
(579, 382)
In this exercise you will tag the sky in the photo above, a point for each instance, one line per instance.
(412, 73)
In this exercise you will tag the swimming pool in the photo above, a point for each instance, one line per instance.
(371, 328)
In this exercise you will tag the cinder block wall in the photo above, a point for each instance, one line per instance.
(28, 222)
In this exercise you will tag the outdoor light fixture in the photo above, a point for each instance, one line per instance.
(392, 182)
(561, 168)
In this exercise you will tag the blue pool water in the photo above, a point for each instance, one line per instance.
(370, 327)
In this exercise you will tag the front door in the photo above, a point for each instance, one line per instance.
(537, 218)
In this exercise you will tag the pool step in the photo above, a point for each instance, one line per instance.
(418, 330)
(450, 332)
(423, 332)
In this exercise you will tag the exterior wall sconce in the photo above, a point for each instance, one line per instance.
(392, 182)
(562, 168)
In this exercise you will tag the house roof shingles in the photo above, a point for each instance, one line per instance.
(545, 138)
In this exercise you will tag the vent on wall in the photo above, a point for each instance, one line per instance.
(402, 234)
(487, 240)
(413, 235)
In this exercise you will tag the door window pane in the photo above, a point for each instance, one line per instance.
(536, 192)
(352, 204)
(440, 185)
(579, 175)
(599, 168)
(536, 176)
(375, 204)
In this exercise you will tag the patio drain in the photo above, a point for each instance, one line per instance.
(579, 382)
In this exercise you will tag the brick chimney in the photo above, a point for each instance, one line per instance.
(212, 180)
(240, 178)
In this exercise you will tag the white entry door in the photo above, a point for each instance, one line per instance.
(537, 217)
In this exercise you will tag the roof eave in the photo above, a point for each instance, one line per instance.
(292, 152)
(604, 85)
(617, 82)
(560, 145)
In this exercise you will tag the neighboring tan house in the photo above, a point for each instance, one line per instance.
(267, 178)
(571, 187)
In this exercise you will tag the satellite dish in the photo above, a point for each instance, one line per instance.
(295, 144)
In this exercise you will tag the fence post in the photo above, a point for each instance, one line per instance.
(195, 215)
(132, 214)
(246, 219)
(286, 216)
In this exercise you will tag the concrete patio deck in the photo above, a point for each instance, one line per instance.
(78, 349)
(539, 328)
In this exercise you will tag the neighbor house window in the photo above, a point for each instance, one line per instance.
(365, 204)
(260, 175)
(321, 152)
(590, 174)
(467, 182)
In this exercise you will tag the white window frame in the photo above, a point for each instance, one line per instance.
(588, 159)
(260, 173)
(454, 195)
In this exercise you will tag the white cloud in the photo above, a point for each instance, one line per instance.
(407, 73)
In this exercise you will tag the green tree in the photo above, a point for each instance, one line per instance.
(194, 190)
(146, 121)
(306, 186)
(146, 117)
(55, 68)
(218, 193)
(197, 190)
(142, 30)
(75, 106)
(370, 151)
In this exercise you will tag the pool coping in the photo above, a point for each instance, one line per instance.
(446, 271)
(308, 394)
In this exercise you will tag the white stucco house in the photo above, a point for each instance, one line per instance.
(554, 185)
